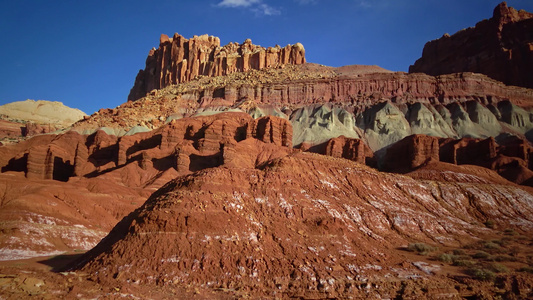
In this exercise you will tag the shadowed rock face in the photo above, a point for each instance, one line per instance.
(511, 157)
(180, 60)
(500, 47)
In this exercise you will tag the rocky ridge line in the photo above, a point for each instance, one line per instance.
(179, 60)
(500, 47)
(324, 103)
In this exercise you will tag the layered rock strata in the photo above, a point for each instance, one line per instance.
(380, 108)
(185, 145)
(500, 47)
(180, 60)
(365, 90)
(511, 158)
(302, 226)
(64, 192)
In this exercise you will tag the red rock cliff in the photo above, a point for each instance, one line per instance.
(501, 48)
(179, 60)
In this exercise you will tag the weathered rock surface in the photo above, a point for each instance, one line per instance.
(510, 158)
(352, 149)
(343, 147)
(64, 192)
(10, 130)
(380, 108)
(411, 152)
(50, 217)
(28, 118)
(180, 60)
(41, 112)
(500, 47)
(302, 226)
(316, 124)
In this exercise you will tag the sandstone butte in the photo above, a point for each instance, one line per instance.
(500, 47)
(179, 60)
(205, 184)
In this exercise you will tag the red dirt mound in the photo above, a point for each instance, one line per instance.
(303, 225)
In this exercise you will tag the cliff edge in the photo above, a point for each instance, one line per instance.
(500, 47)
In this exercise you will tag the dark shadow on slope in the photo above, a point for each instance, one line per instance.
(199, 162)
(17, 164)
(59, 262)
(152, 142)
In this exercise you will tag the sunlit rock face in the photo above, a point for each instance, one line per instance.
(303, 224)
(180, 60)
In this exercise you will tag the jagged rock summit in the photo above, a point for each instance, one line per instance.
(180, 60)
(500, 47)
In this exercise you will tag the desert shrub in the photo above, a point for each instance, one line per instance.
(492, 245)
(475, 245)
(505, 258)
(421, 248)
(499, 242)
(464, 262)
(446, 258)
(509, 231)
(498, 268)
(490, 223)
(526, 269)
(506, 240)
(459, 252)
(481, 274)
(481, 255)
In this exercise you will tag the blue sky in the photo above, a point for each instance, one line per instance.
(86, 54)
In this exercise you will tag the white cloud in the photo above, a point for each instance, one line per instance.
(267, 10)
(238, 3)
(257, 6)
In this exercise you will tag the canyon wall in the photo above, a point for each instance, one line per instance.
(500, 47)
(363, 91)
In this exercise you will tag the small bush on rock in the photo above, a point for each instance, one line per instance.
(421, 248)
(482, 274)
(481, 255)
